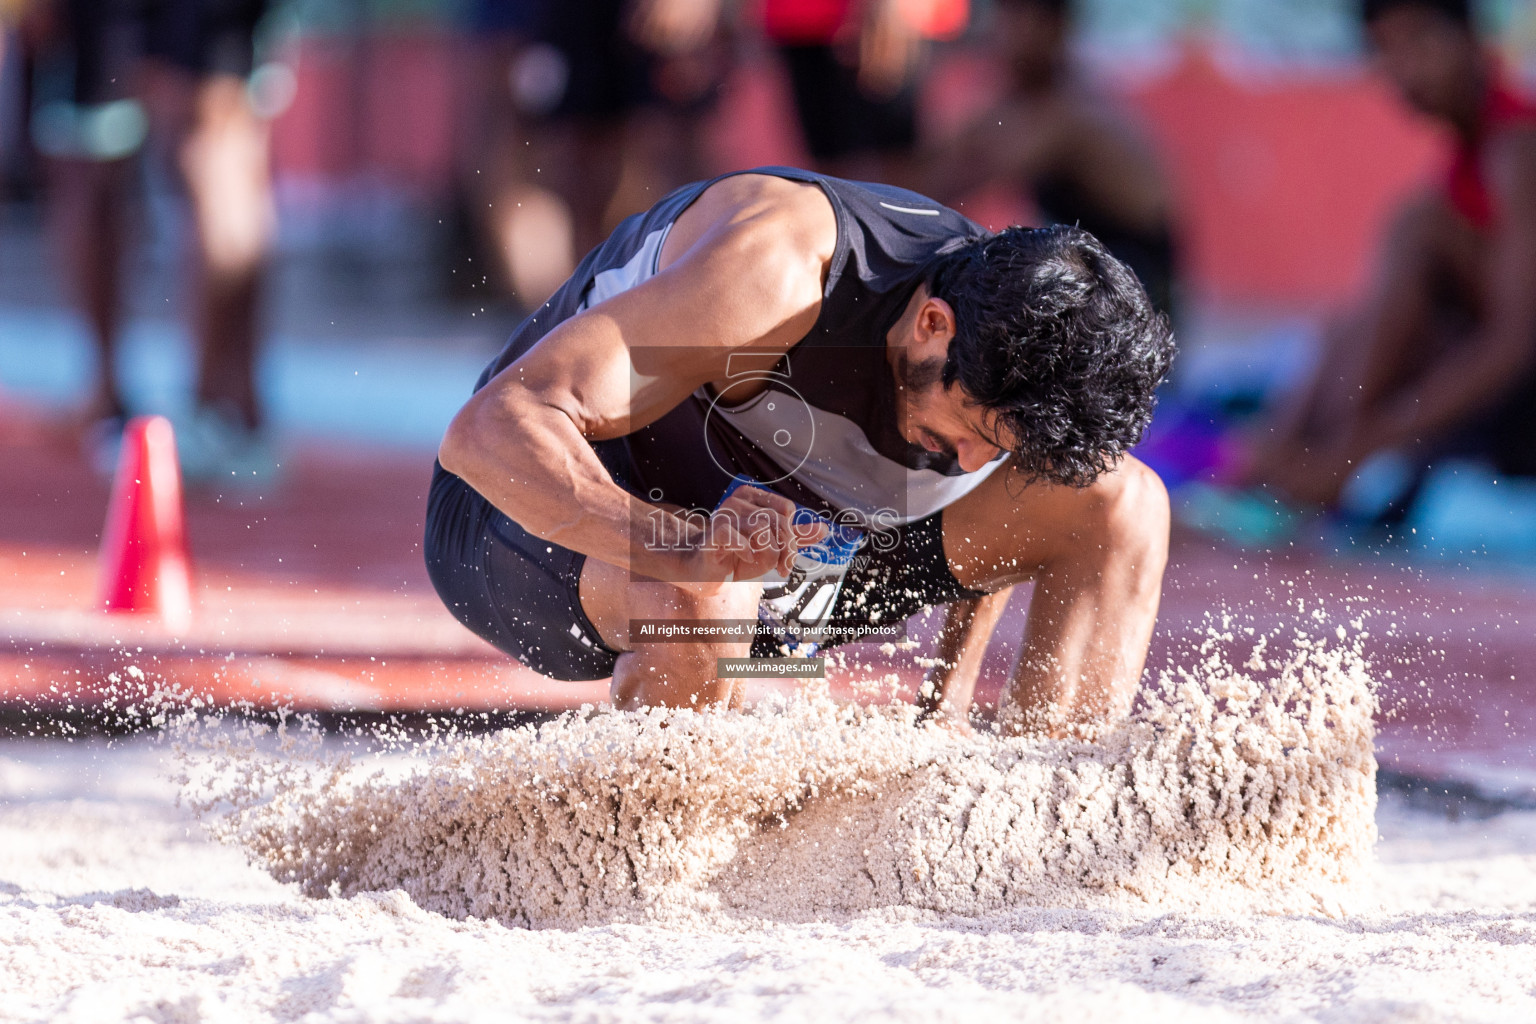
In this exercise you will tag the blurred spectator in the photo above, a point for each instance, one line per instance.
(115, 74)
(1442, 359)
(853, 70)
(1073, 152)
(585, 111)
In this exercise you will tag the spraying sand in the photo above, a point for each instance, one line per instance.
(1219, 788)
(1212, 859)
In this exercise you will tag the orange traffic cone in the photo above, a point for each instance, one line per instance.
(144, 543)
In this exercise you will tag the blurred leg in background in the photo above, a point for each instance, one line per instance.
(1428, 264)
(578, 128)
(88, 125)
(113, 73)
(589, 111)
(854, 69)
(686, 50)
(88, 211)
(199, 57)
(515, 230)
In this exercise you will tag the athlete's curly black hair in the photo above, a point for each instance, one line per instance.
(1059, 338)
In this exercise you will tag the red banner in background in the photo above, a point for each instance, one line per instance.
(1286, 184)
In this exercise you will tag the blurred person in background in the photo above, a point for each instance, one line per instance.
(1078, 156)
(1442, 359)
(15, 163)
(853, 69)
(584, 111)
(10, 19)
(115, 75)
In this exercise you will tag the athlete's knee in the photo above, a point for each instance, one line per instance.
(730, 601)
(681, 670)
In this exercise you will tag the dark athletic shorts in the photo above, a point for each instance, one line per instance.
(103, 41)
(603, 75)
(204, 37)
(519, 593)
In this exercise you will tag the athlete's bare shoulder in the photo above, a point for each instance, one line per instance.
(780, 219)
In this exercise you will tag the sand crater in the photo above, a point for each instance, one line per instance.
(1241, 786)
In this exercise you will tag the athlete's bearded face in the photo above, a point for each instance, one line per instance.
(944, 419)
(930, 415)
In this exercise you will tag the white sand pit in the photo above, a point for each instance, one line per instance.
(1219, 788)
(1213, 859)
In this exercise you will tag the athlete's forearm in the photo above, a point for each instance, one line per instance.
(968, 626)
(528, 458)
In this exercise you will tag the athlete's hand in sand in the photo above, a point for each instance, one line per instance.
(750, 535)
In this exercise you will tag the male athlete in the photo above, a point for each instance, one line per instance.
(966, 398)
(1443, 359)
